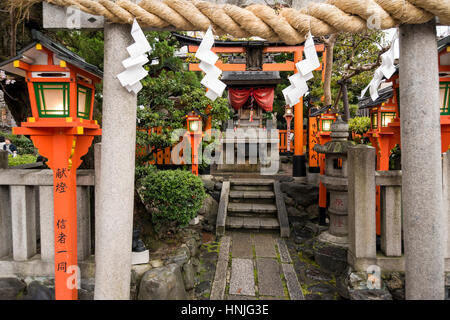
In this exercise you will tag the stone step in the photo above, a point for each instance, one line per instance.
(251, 207)
(252, 223)
(255, 201)
(252, 188)
(254, 194)
(251, 182)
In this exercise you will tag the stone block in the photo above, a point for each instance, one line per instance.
(361, 202)
(5, 222)
(165, 283)
(23, 215)
(10, 288)
(391, 221)
(269, 278)
(242, 280)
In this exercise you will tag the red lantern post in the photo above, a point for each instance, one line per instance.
(62, 129)
(194, 127)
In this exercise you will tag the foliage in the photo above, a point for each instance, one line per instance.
(359, 125)
(169, 94)
(353, 54)
(23, 144)
(395, 158)
(177, 196)
(21, 159)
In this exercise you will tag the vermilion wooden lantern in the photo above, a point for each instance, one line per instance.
(288, 115)
(61, 87)
(194, 127)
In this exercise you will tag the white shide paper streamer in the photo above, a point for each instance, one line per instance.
(386, 70)
(134, 65)
(299, 87)
(207, 65)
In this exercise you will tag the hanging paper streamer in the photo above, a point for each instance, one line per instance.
(386, 70)
(299, 87)
(134, 65)
(212, 73)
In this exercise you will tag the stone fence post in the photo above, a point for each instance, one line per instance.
(361, 206)
(3, 159)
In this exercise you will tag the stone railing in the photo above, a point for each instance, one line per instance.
(363, 180)
(26, 221)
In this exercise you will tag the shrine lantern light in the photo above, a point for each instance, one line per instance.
(194, 123)
(326, 124)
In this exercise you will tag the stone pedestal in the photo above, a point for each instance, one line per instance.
(335, 180)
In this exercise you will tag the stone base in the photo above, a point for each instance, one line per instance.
(337, 241)
(140, 257)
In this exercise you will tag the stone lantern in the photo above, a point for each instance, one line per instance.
(335, 181)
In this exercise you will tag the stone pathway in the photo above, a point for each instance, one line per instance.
(254, 266)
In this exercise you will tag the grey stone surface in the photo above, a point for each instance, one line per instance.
(391, 221)
(269, 223)
(188, 276)
(242, 280)
(251, 223)
(3, 159)
(269, 279)
(370, 294)
(10, 288)
(223, 208)
(304, 194)
(209, 210)
(237, 297)
(23, 220)
(283, 220)
(295, 291)
(361, 203)
(165, 283)
(241, 245)
(114, 214)
(264, 245)
(220, 278)
(37, 291)
(252, 207)
(235, 222)
(46, 222)
(283, 251)
(5, 222)
(331, 258)
(421, 171)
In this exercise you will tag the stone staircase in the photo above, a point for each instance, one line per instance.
(252, 204)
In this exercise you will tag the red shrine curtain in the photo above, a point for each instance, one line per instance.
(263, 97)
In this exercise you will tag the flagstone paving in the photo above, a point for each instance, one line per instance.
(258, 267)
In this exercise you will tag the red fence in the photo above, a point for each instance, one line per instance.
(163, 156)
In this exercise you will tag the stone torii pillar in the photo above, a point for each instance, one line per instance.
(422, 203)
(114, 219)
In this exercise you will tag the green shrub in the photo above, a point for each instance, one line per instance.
(21, 159)
(359, 125)
(24, 145)
(176, 195)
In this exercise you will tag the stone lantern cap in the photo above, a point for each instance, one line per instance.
(339, 143)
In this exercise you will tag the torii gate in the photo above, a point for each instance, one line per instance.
(421, 157)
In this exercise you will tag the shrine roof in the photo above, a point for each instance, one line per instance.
(60, 51)
(317, 112)
(256, 78)
(384, 95)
